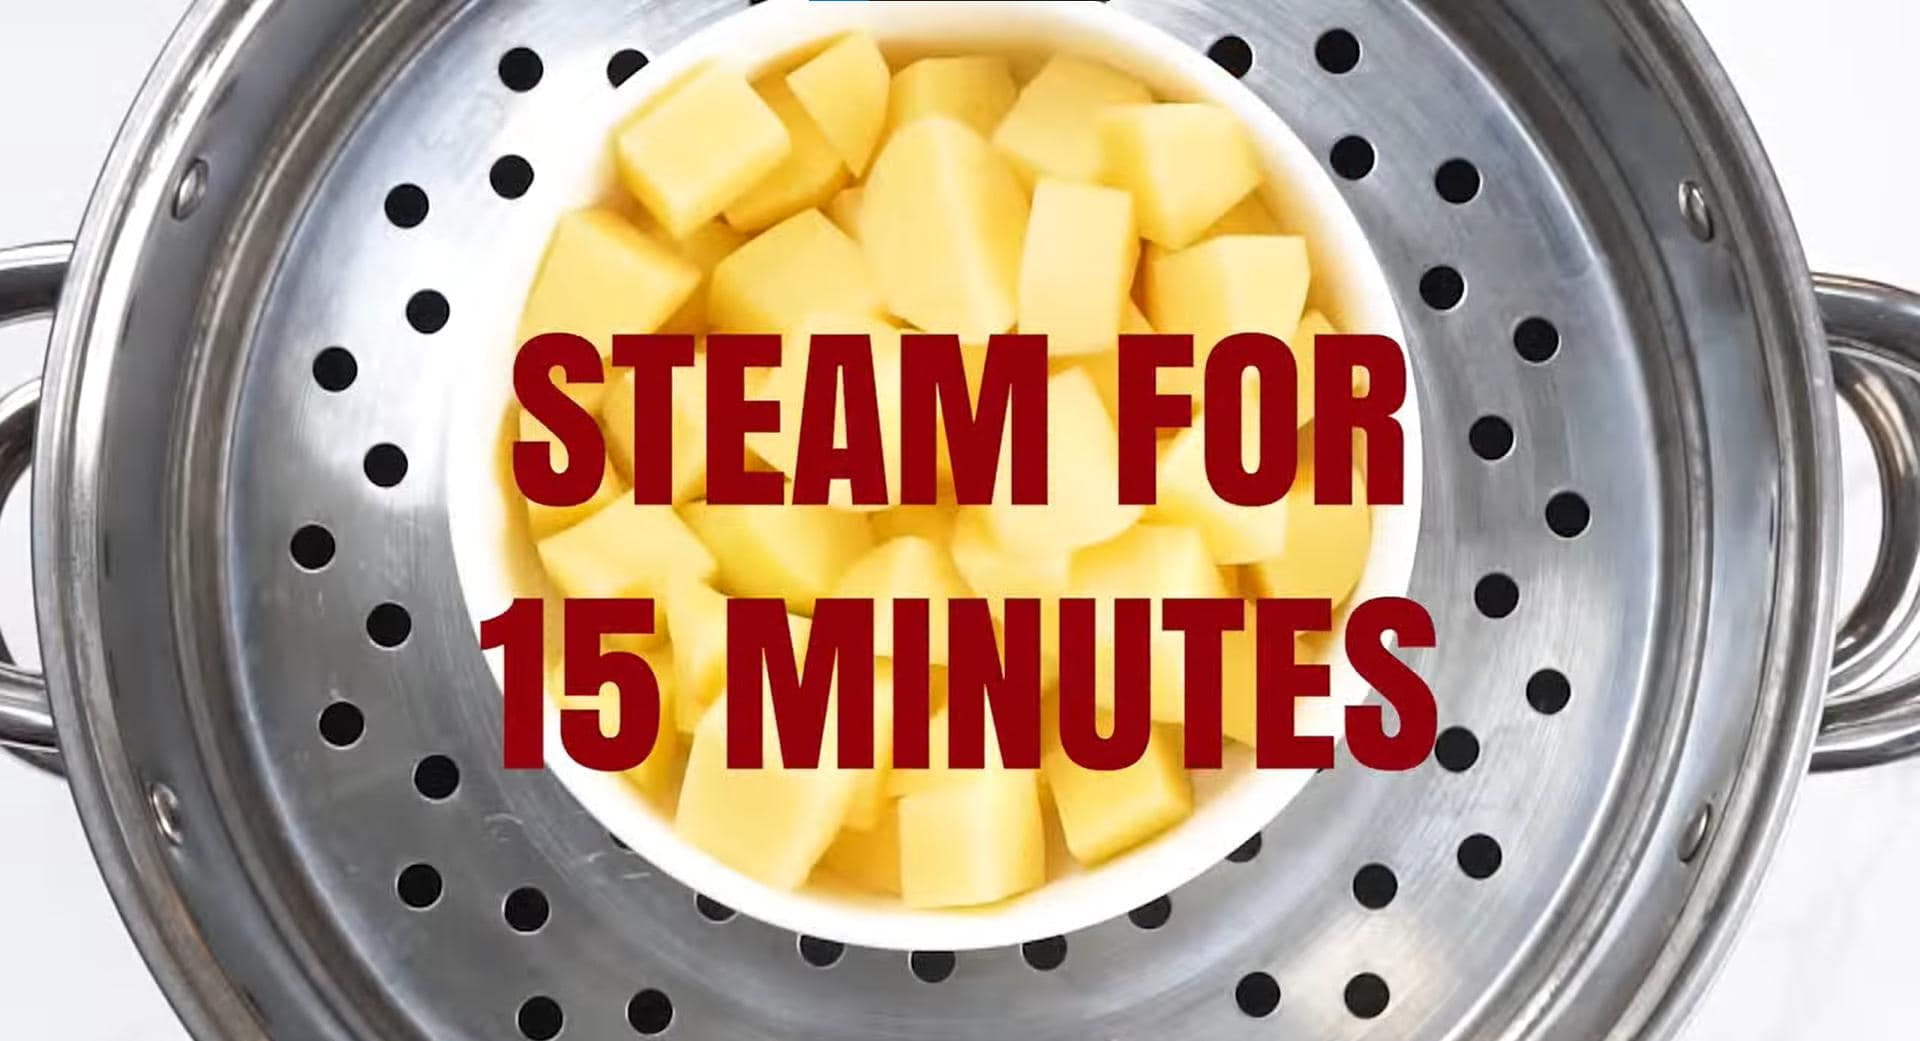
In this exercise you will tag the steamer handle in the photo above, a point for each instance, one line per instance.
(30, 280)
(1873, 332)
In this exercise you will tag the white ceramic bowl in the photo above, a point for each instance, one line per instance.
(1230, 805)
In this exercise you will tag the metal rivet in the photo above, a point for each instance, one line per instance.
(166, 813)
(1694, 838)
(1693, 206)
(191, 188)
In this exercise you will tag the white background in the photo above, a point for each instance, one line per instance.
(1827, 955)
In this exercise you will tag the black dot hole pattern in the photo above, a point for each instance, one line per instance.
(712, 910)
(436, 777)
(1375, 886)
(1457, 181)
(406, 205)
(1536, 340)
(540, 1018)
(1548, 691)
(1248, 850)
(624, 65)
(650, 1012)
(335, 369)
(1367, 996)
(1568, 515)
(1152, 914)
(932, 966)
(1496, 596)
(419, 886)
(1045, 955)
(521, 69)
(526, 909)
(1233, 54)
(1479, 856)
(389, 625)
(1491, 438)
(1337, 51)
(1443, 288)
(511, 176)
(385, 465)
(819, 953)
(1257, 994)
(428, 311)
(312, 547)
(1456, 750)
(341, 724)
(1352, 157)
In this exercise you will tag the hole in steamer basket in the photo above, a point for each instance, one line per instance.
(779, 243)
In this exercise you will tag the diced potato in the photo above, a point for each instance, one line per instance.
(687, 156)
(1106, 813)
(544, 520)
(689, 428)
(1234, 534)
(1083, 498)
(1077, 266)
(1325, 549)
(1149, 560)
(794, 552)
(935, 523)
(939, 773)
(1313, 326)
(787, 385)
(697, 623)
(868, 858)
(1053, 129)
(625, 550)
(602, 276)
(977, 90)
(999, 570)
(771, 824)
(977, 841)
(800, 267)
(1187, 165)
(870, 802)
(656, 776)
(942, 221)
(844, 210)
(905, 568)
(844, 89)
(1251, 216)
(704, 248)
(811, 174)
(1235, 284)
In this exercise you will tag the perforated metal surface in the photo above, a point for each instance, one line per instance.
(1612, 492)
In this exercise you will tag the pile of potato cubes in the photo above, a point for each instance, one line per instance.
(839, 194)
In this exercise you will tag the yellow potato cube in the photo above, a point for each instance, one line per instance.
(1106, 813)
(1235, 284)
(942, 221)
(794, 552)
(939, 773)
(1155, 561)
(1325, 549)
(625, 550)
(687, 156)
(844, 89)
(977, 90)
(1251, 216)
(800, 267)
(689, 428)
(1053, 129)
(870, 801)
(998, 570)
(870, 858)
(1083, 495)
(771, 824)
(1313, 326)
(976, 841)
(704, 248)
(811, 173)
(787, 385)
(1077, 266)
(1234, 534)
(905, 568)
(844, 210)
(697, 623)
(1187, 165)
(601, 276)
(935, 523)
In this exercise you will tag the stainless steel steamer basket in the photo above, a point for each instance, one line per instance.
(1629, 548)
